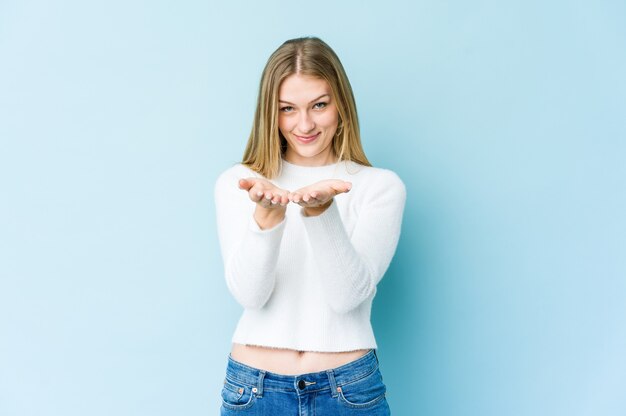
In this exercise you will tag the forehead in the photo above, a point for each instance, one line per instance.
(298, 88)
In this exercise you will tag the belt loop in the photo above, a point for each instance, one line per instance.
(333, 384)
(259, 392)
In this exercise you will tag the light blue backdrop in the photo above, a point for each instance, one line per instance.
(506, 120)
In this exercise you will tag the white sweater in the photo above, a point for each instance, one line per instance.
(308, 283)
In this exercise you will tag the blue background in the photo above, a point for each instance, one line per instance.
(506, 120)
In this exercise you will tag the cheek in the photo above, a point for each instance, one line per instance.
(330, 119)
(284, 124)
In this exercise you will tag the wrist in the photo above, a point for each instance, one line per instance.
(315, 211)
(269, 217)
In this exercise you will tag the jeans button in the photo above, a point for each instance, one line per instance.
(301, 384)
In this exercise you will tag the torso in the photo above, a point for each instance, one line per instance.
(291, 362)
(286, 320)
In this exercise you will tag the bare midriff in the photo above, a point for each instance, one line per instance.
(291, 362)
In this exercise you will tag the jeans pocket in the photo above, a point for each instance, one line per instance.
(237, 396)
(363, 393)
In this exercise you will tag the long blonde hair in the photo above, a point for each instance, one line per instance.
(305, 56)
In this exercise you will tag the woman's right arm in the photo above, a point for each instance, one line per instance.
(249, 250)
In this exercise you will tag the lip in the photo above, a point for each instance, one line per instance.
(307, 139)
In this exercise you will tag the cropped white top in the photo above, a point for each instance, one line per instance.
(308, 283)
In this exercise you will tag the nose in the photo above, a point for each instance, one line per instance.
(305, 123)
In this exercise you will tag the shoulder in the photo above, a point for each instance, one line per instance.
(232, 175)
(376, 178)
(227, 183)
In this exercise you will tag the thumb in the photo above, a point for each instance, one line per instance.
(245, 184)
(342, 186)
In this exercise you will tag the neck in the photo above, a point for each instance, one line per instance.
(320, 160)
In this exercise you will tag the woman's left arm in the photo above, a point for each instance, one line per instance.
(351, 267)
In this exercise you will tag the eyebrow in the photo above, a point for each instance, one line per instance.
(287, 102)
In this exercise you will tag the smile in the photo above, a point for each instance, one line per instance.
(307, 139)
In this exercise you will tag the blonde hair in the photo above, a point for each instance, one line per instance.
(305, 56)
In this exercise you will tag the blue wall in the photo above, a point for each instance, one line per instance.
(507, 121)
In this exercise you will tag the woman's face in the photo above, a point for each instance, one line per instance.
(308, 119)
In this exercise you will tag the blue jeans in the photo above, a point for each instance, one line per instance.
(355, 388)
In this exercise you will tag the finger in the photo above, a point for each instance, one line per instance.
(342, 186)
(256, 193)
(295, 197)
(245, 184)
(276, 199)
(312, 199)
(319, 201)
(264, 201)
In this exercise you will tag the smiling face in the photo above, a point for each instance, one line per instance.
(308, 119)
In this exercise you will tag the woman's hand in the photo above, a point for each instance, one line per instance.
(264, 193)
(270, 201)
(317, 197)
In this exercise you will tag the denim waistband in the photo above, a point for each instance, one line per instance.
(332, 379)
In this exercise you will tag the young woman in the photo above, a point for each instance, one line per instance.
(307, 229)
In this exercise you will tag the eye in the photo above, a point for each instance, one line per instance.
(286, 109)
(320, 105)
